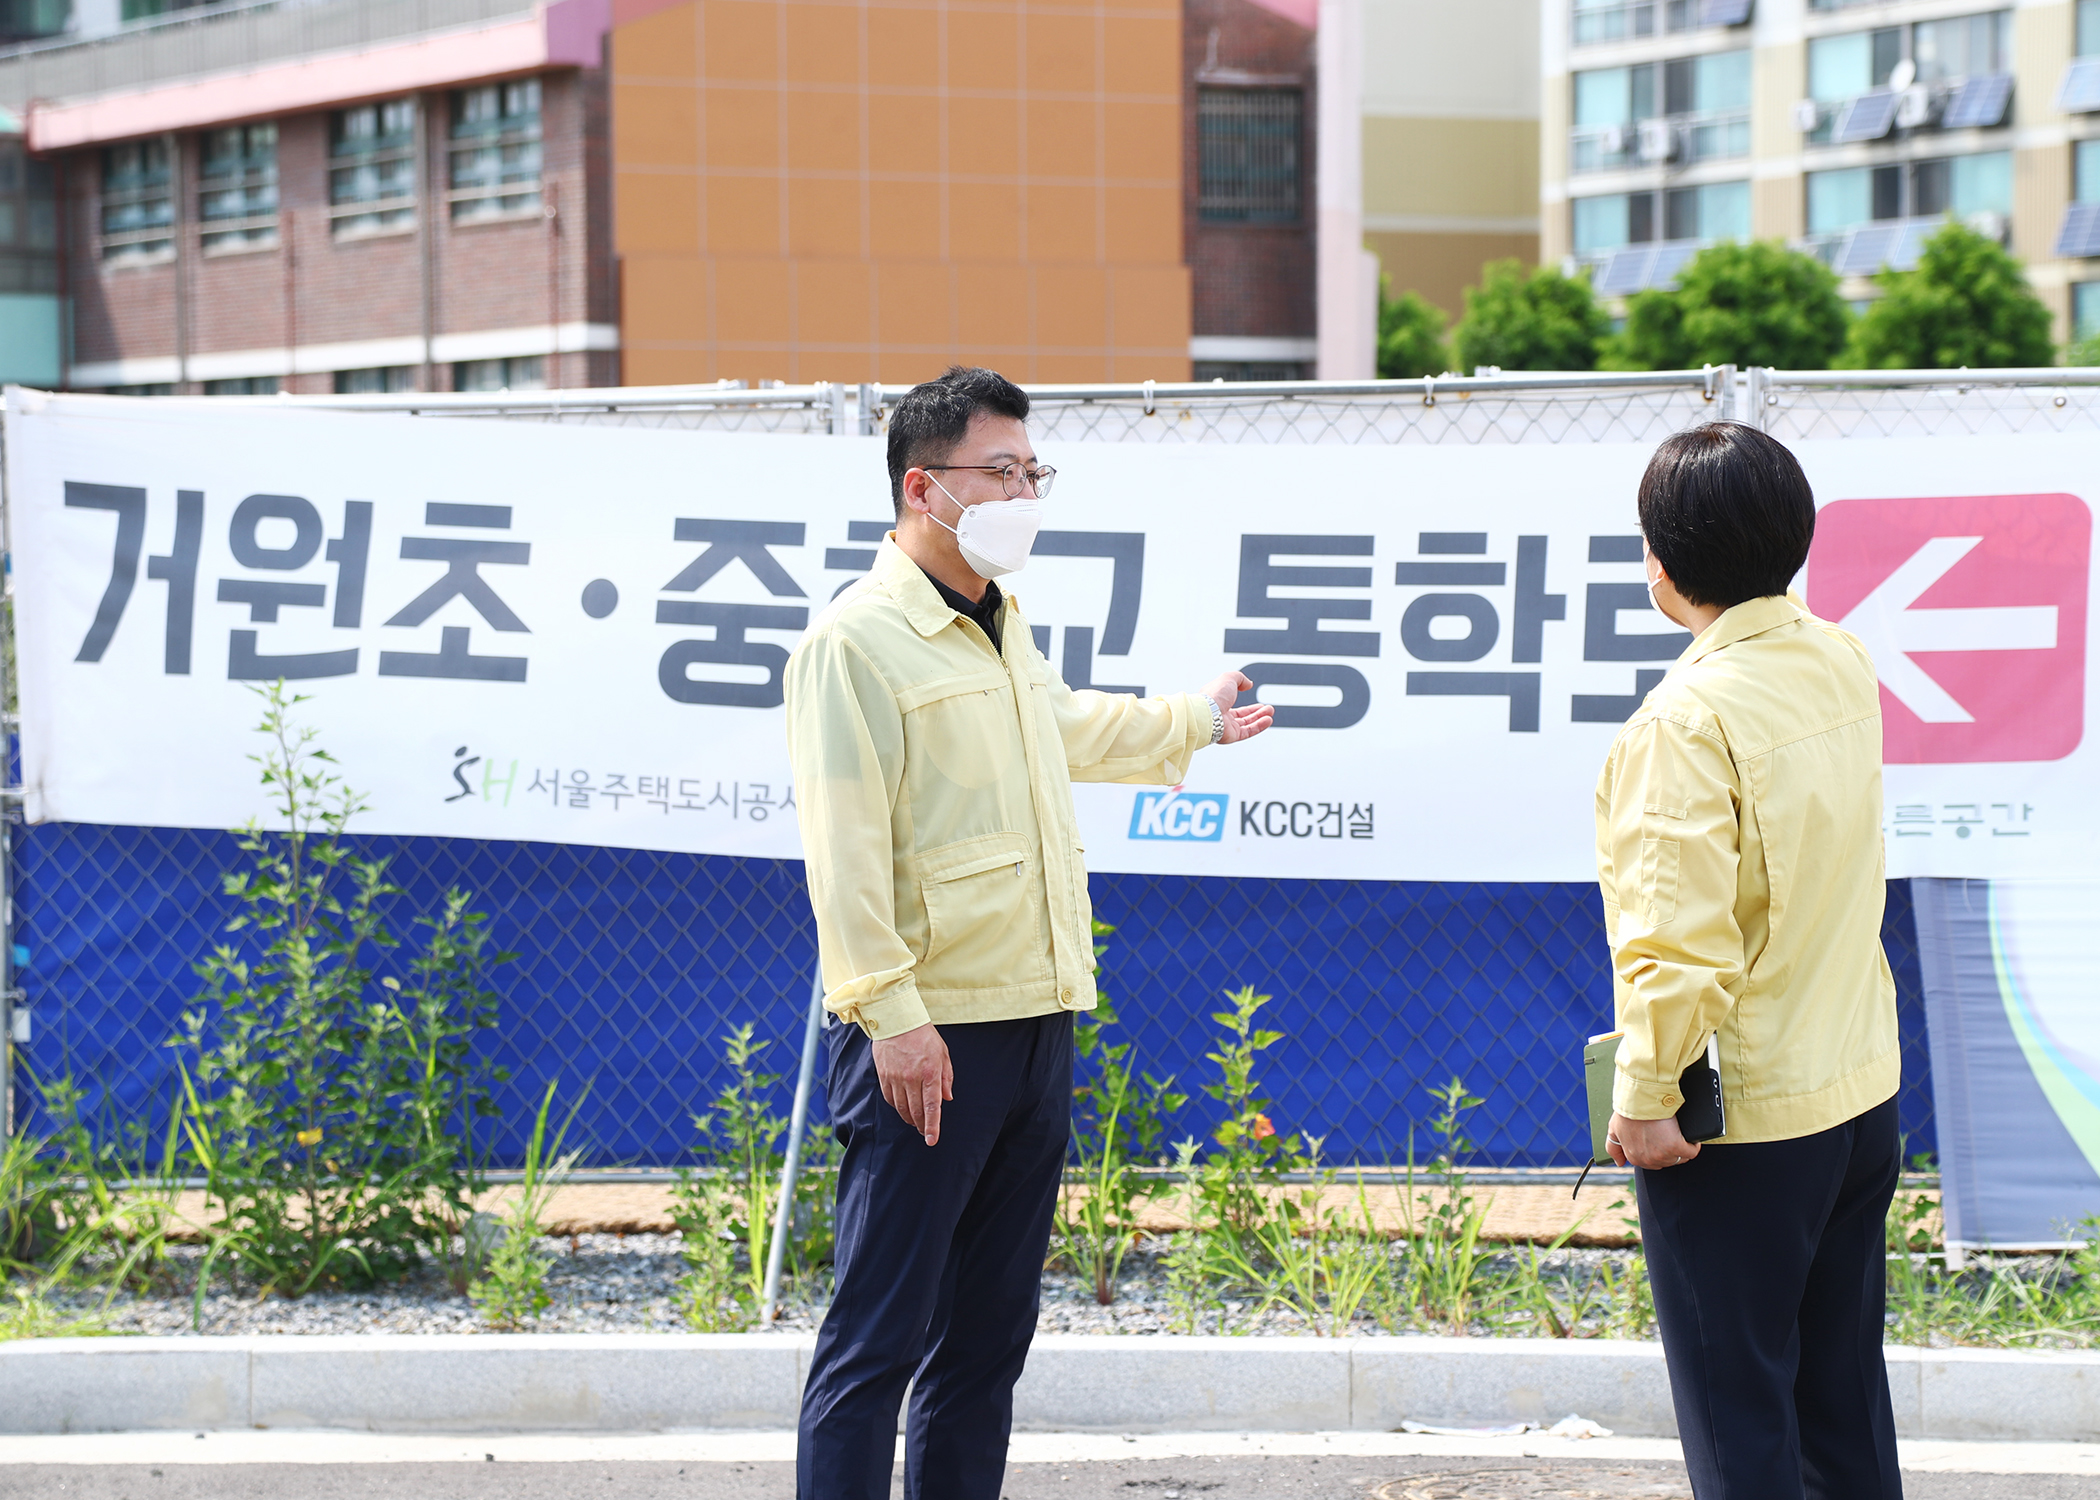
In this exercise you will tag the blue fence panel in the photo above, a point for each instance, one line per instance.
(632, 964)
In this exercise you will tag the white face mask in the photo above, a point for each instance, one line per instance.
(995, 536)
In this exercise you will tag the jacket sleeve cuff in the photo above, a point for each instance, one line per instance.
(895, 1013)
(1637, 1099)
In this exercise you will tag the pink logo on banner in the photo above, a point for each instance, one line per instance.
(1974, 609)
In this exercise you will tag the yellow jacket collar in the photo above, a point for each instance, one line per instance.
(914, 592)
(1740, 622)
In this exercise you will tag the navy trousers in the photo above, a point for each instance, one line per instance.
(1770, 1288)
(939, 1264)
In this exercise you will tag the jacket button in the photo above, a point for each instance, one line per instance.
(1669, 1098)
(1064, 997)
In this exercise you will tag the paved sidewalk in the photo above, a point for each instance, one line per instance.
(1044, 1466)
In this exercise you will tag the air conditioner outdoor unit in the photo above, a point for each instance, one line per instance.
(1613, 141)
(1807, 115)
(1658, 141)
(1991, 225)
(1915, 107)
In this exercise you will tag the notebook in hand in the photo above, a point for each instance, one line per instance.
(1702, 1117)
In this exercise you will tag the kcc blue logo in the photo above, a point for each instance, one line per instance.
(1198, 816)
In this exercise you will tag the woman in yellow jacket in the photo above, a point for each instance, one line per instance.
(1739, 853)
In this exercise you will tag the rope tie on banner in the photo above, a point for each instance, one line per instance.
(1707, 371)
(1429, 390)
(1148, 398)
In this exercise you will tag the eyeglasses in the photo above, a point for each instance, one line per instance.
(1012, 475)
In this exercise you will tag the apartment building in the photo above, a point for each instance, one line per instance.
(1850, 128)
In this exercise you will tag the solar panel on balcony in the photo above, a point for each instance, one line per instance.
(1625, 272)
(1910, 242)
(1865, 250)
(1866, 118)
(1724, 12)
(1979, 103)
(2079, 93)
(2080, 235)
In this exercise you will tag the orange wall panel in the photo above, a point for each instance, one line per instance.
(1062, 57)
(656, 124)
(904, 220)
(656, 211)
(740, 39)
(824, 216)
(806, 189)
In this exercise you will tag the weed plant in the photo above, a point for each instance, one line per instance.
(511, 1287)
(1119, 1123)
(331, 1109)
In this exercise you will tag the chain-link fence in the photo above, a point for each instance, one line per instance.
(633, 964)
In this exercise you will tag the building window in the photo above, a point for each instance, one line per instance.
(1686, 110)
(136, 390)
(252, 385)
(375, 382)
(2089, 28)
(1617, 20)
(2085, 310)
(138, 204)
(1963, 186)
(28, 221)
(528, 374)
(1956, 72)
(1715, 211)
(1252, 164)
(495, 151)
(372, 169)
(237, 188)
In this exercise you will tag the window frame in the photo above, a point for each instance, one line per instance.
(371, 218)
(153, 243)
(238, 233)
(1283, 208)
(465, 137)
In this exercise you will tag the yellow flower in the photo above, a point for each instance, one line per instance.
(308, 1137)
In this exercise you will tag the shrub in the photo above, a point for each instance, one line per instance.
(1537, 321)
(1967, 305)
(1740, 304)
(1410, 336)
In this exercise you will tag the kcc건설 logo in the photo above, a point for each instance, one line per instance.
(1197, 817)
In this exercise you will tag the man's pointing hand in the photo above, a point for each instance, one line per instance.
(916, 1076)
(1240, 723)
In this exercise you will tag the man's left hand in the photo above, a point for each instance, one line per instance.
(1653, 1144)
(1240, 723)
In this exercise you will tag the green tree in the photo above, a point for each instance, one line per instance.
(1410, 335)
(1537, 321)
(1967, 305)
(1754, 304)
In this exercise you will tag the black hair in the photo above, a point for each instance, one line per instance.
(931, 419)
(1728, 512)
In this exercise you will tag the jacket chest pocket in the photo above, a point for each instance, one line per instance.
(975, 891)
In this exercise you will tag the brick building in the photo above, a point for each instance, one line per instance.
(427, 211)
(1249, 113)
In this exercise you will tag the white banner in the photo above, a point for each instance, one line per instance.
(516, 631)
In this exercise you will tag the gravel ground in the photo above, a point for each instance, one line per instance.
(609, 1283)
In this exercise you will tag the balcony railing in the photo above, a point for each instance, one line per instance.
(1624, 20)
(1680, 140)
(1980, 102)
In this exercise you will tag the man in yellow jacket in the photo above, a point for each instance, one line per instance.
(1739, 852)
(934, 751)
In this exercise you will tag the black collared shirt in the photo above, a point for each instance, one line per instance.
(986, 613)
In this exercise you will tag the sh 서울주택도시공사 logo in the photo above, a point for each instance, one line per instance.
(1192, 816)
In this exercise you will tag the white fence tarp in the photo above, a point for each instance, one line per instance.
(576, 634)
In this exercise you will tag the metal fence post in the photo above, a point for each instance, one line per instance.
(1759, 382)
(834, 408)
(869, 402)
(798, 1122)
(10, 800)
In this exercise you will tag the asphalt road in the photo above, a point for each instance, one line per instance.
(1264, 1478)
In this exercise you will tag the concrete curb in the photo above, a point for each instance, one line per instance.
(461, 1383)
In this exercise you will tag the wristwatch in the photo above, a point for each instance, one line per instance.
(1217, 722)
